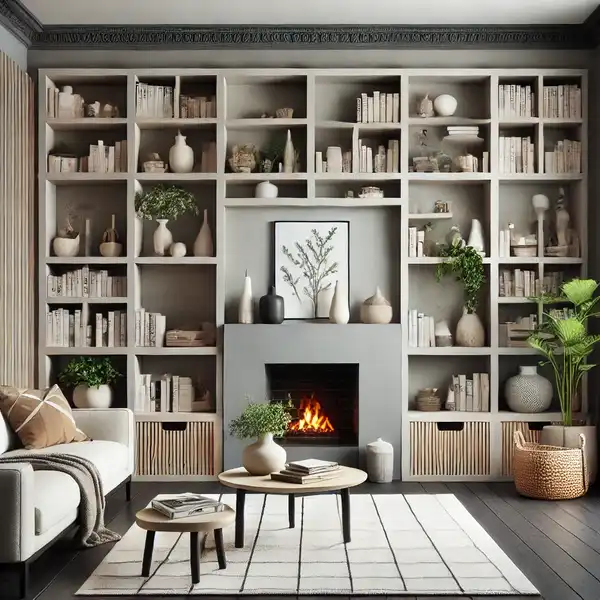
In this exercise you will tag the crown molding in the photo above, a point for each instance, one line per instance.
(19, 21)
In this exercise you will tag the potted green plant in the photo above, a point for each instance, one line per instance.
(566, 345)
(466, 265)
(91, 378)
(262, 421)
(164, 203)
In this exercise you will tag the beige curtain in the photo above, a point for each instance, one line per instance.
(17, 227)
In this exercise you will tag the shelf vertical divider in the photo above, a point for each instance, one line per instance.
(311, 122)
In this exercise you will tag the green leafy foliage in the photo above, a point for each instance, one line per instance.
(565, 342)
(165, 202)
(466, 264)
(86, 370)
(258, 419)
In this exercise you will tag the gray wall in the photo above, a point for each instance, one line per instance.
(10, 45)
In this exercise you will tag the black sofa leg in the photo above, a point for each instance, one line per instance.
(24, 579)
(128, 490)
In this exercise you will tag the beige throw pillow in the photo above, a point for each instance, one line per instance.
(41, 418)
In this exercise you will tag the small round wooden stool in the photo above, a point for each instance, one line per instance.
(153, 521)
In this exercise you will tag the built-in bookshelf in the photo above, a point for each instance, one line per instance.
(531, 130)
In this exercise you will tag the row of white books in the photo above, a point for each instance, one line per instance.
(150, 329)
(101, 159)
(166, 393)
(562, 102)
(421, 330)
(519, 284)
(516, 155)
(378, 108)
(416, 241)
(516, 101)
(385, 161)
(67, 329)
(86, 283)
(561, 313)
(565, 158)
(155, 101)
(470, 395)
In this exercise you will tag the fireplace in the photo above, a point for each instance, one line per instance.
(325, 399)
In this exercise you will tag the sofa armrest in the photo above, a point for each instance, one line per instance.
(17, 513)
(109, 424)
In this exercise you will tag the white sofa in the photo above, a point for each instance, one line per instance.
(36, 507)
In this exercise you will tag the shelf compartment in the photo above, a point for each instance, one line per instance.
(85, 260)
(310, 202)
(270, 123)
(84, 351)
(174, 123)
(170, 260)
(462, 453)
(169, 351)
(449, 416)
(83, 124)
(86, 178)
(82, 300)
(450, 351)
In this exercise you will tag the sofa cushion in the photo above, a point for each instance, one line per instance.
(8, 438)
(41, 418)
(56, 497)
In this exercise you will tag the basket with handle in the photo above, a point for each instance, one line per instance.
(549, 472)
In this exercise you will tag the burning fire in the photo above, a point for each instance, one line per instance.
(311, 419)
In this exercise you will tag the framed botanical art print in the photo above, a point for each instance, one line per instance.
(310, 256)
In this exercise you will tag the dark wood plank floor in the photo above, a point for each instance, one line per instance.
(556, 544)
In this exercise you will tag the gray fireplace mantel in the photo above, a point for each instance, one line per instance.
(375, 348)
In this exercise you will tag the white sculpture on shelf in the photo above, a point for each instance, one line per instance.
(245, 312)
(476, 240)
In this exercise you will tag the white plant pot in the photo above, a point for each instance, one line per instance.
(469, 331)
(265, 189)
(162, 238)
(264, 456)
(181, 156)
(339, 312)
(66, 246)
(568, 437)
(92, 397)
(445, 105)
(528, 392)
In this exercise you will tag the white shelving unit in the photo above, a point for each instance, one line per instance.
(325, 109)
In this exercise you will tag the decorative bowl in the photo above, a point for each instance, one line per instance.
(111, 249)
(524, 250)
(66, 247)
(284, 113)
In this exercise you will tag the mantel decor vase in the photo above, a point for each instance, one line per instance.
(245, 313)
(469, 331)
(163, 238)
(376, 309)
(264, 456)
(181, 156)
(271, 308)
(203, 246)
(92, 397)
(380, 461)
(339, 312)
(528, 392)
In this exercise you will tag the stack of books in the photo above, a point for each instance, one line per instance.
(184, 505)
(310, 470)
(463, 131)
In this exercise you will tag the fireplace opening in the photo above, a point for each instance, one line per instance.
(325, 399)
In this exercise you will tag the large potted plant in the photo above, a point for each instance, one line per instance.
(262, 421)
(566, 345)
(466, 265)
(164, 203)
(91, 378)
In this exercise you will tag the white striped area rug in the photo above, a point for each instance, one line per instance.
(401, 545)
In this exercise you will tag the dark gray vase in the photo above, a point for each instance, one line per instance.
(270, 308)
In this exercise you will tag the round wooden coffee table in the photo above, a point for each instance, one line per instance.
(243, 482)
(153, 521)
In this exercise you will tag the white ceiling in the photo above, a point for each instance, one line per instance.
(310, 12)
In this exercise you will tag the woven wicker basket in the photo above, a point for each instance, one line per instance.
(549, 472)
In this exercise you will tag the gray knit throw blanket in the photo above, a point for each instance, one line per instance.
(92, 531)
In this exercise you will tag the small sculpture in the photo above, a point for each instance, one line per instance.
(243, 158)
(564, 240)
(425, 108)
(454, 237)
(110, 245)
(154, 164)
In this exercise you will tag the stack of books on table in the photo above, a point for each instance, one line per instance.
(310, 470)
(179, 506)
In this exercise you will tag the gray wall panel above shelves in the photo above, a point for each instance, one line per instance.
(13, 47)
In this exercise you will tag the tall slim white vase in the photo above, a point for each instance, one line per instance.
(289, 156)
(203, 246)
(245, 312)
(339, 312)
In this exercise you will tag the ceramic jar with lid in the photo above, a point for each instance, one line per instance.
(376, 309)
(380, 461)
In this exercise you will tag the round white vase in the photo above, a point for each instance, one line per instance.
(445, 105)
(92, 397)
(528, 392)
(339, 312)
(376, 309)
(178, 250)
(469, 331)
(181, 156)
(163, 238)
(264, 456)
(266, 189)
(66, 246)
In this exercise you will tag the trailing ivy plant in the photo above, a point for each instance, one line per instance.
(466, 264)
(86, 370)
(165, 202)
(259, 419)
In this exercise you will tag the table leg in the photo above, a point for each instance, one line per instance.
(220, 549)
(194, 558)
(345, 495)
(148, 547)
(240, 500)
(292, 510)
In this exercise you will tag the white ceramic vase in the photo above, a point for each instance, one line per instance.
(66, 246)
(380, 461)
(181, 156)
(568, 437)
(289, 155)
(476, 240)
(376, 309)
(264, 456)
(445, 105)
(339, 312)
(92, 397)
(528, 392)
(266, 189)
(203, 246)
(163, 238)
(245, 312)
(334, 159)
(469, 331)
